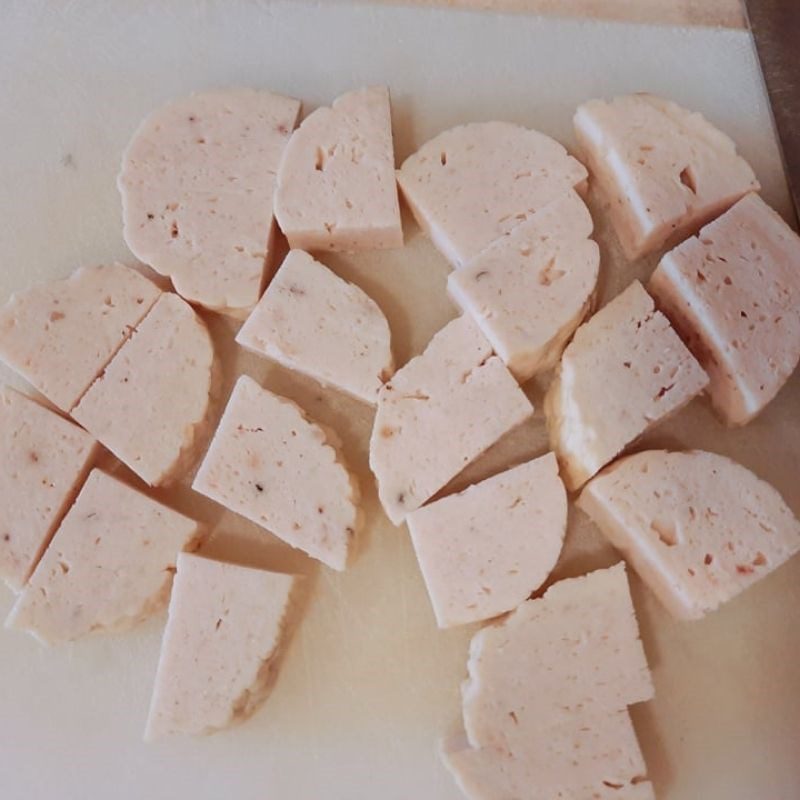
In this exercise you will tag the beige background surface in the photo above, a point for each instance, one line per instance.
(369, 684)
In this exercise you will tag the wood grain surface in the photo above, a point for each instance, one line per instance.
(722, 13)
(776, 29)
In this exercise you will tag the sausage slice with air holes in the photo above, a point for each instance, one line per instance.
(665, 171)
(697, 527)
(336, 187)
(733, 294)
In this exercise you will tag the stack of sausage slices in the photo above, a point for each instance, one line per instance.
(206, 182)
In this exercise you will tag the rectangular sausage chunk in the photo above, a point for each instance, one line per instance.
(733, 294)
(108, 566)
(441, 411)
(45, 460)
(220, 651)
(624, 371)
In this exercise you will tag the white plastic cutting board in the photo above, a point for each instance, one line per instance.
(369, 684)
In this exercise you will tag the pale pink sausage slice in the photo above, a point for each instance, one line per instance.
(545, 705)
(697, 527)
(311, 320)
(624, 371)
(484, 551)
(60, 336)
(546, 639)
(197, 181)
(150, 406)
(473, 184)
(45, 460)
(610, 765)
(439, 412)
(336, 187)
(665, 171)
(221, 646)
(270, 463)
(529, 290)
(108, 566)
(733, 293)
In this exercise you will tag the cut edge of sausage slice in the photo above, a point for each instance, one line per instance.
(151, 405)
(270, 463)
(733, 294)
(472, 184)
(439, 413)
(108, 567)
(530, 289)
(222, 645)
(697, 527)
(197, 182)
(487, 549)
(336, 186)
(624, 371)
(59, 336)
(313, 321)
